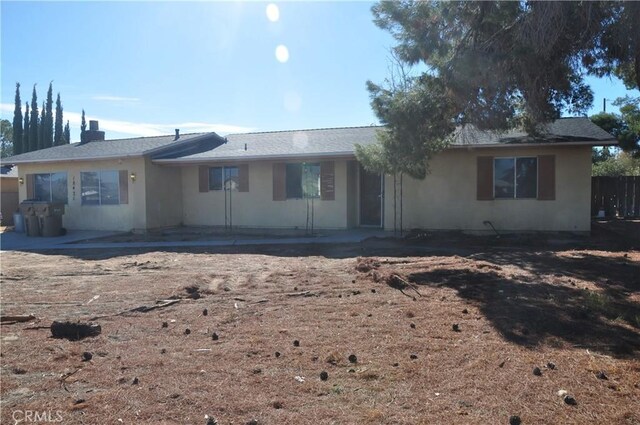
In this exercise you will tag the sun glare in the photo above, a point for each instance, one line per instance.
(282, 53)
(273, 12)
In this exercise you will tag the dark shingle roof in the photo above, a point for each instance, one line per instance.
(559, 131)
(329, 142)
(277, 144)
(104, 149)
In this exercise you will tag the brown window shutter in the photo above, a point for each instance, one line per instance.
(243, 178)
(547, 177)
(327, 181)
(124, 186)
(30, 186)
(485, 178)
(279, 182)
(203, 178)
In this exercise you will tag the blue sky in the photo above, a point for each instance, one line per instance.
(147, 68)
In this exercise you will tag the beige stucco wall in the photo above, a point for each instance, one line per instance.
(163, 195)
(446, 199)
(256, 208)
(123, 217)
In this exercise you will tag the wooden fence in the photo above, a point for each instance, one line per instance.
(617, 196)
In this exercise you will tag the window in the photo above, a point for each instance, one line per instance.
(303, 181)
(50, 187)
(223, 178)
(515, 178)
(100, 188)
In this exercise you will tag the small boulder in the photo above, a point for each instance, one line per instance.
(353, 358)
(602, 375)
(136, 381)
(277, 354)
(205, 312)
(86, 356)
(537, 371)
(165, 324)
(455, 327)
(413, 325)
(215, 336)
(413, 357)
(324, 375)
(551, 365)
(515, 420)
(296, 343)
(570, 400)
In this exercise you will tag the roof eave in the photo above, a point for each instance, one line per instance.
(96, 158)
(610, 142)
(204, 160)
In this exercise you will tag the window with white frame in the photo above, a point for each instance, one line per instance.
(50, 187)
(223, 178)
(100, 187)
(515, 178)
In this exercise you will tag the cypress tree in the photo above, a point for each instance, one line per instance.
(48, 119)
(67, 134)
(58, 135)
(17, 123)
(33, 124)
(42, 127)
(83, 127)
(25, 130)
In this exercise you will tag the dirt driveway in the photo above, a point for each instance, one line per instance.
(439, 335)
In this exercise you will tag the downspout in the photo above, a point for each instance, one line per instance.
(401, 200)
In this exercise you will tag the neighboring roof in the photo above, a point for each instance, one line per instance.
(337, 142)
(109, 149)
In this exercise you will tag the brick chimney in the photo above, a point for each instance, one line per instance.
(93, 134)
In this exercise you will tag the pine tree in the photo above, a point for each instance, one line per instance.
(17, 123)
(67, 134)
(48, 119)
(83, 127)
(25, 130)
(58, 131)
(42, 128)
(33, 124)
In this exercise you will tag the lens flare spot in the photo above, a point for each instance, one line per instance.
(300, 140)
(292, 101)
(282, 53)
(273, 12)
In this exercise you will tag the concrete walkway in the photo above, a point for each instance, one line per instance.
(11, 241)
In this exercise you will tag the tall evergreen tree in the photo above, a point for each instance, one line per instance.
(48, 123)
(42, 128)
(83, 127)
(58, 131)
(25, 130)
(67, 134)
(17, 123)
(33, 124)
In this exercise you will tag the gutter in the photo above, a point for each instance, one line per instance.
(41, 161)
(185, 161)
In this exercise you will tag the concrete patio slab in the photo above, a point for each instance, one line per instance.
(11, 241)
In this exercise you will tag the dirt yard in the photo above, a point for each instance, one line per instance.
(440, 336)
